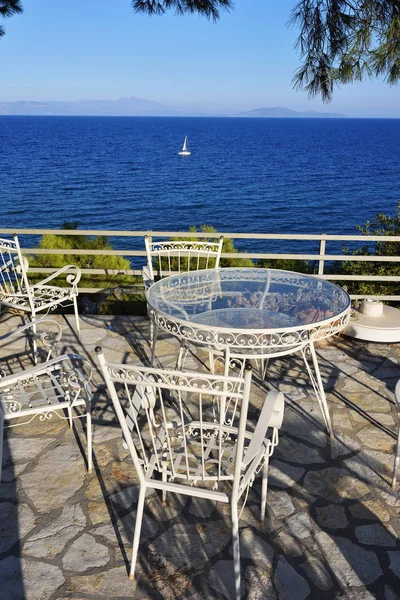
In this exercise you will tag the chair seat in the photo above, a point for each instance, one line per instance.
(49, 293)
(182, 461)
(41, 297)
(51, 389)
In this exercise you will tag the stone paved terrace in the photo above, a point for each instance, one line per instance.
(333, 521)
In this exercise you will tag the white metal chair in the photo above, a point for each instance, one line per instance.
(167, 258)
(187, 433)
(397, 455)
(32, 298)
(58, 386)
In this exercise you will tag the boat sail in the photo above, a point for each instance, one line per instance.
(185, 148)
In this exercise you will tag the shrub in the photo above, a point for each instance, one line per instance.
(227, 246)
(113, 298)
(88, 261)
(380, 225)
(289, 264)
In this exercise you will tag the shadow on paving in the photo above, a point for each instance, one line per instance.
(331, 561)
(311, 544)
(15, 522)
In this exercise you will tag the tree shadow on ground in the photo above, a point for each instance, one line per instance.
(11, 532)
(316, 542)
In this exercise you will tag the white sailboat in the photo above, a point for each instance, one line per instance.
(185, 148)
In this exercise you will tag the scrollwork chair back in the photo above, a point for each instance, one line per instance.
(18, 293)
(190, 429)
(166, 258)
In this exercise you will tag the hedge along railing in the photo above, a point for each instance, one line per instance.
(321, 256)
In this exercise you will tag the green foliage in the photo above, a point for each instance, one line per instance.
(379, 225)
(227, 246)
(342, 42)
(108, 262)
(206, 8)
(9, 8)
(289, 264)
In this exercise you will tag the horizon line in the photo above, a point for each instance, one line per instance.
(216, 116)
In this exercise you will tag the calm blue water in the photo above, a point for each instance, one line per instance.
(250, 175)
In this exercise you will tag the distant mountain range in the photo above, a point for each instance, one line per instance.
(136, 107)
(288, 113)
(118, 108)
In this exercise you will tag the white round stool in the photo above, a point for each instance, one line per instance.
(384, 328)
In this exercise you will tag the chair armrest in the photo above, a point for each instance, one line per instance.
(271, 416)
(72, 278)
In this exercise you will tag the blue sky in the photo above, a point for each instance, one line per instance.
(97, 49)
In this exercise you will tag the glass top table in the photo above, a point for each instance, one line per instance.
(252, 311)
(249, 313)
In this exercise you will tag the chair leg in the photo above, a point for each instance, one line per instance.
(264, 486)
(164, 492)
(138, 527)
(89, 441)
(396, 460)
(236, 549)
(78, 325)
(69, 409)
(34, 342)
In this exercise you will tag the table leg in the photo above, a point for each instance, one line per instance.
(153, 337)
(183, 351)
(262, 367)
(317, 384)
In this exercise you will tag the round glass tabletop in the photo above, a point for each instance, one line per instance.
(252, 299)
(261, 310)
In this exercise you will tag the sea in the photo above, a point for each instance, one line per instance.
(260, 175)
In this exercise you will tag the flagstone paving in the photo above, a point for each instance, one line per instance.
(333, 520)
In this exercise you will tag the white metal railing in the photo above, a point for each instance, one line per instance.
(320, 256)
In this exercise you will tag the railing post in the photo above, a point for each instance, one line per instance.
(321, 262)
(150, 240)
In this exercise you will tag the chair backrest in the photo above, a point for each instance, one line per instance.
(171, 257)
(191, 427)
(13, 268)
(41, 339)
